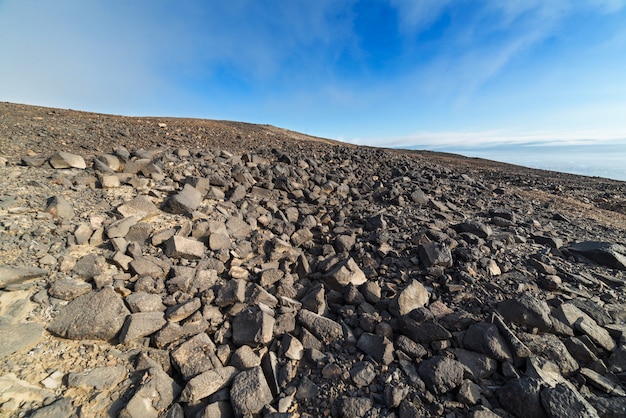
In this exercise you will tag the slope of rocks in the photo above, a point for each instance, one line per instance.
(181, 268)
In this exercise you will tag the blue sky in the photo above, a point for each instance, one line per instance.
(394, 72)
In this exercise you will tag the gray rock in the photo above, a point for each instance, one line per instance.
(96, 315)
(140, 207)
(219, 241)
(410, 347)
(604, 384)
(292, 347)
(155, 394)
(579, 351)
(323, 328)
(485, 338)
(362, 374)
(355, 407)
(68, 289)
(141, 324)
(250, 392)
(469, 393)
(603, 253)
(89, 266)
(233, 291)
(474, 227)
(59, 408)
(220, 409)
(565, 401)
(185, 202)
(301, 236)
(60, 208)
(179, 247)
(146, 266)
(441, 374)
(244, 358)
(522, 397)
(207, 383)
(344, 273)
(183, 310)
(100, 378)
(377, 347)
(423, 333)
(481, 365)
(550, 347)
(172, 331)
(435, 254)
(12, 275)
(120, 228)
(195, 356)
(67, 160)
(598, 335)
(527, 311)
(145, 302)
(412, 297)
(253, 326)
(18, 337)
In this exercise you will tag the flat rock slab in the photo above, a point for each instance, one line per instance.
(604, 253)
(17, 337)
(12, 275)
(99, 378)
(250, 392)
(96, 315)
(67, 160)
(207, 383)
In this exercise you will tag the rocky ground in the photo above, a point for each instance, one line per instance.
(158, 267)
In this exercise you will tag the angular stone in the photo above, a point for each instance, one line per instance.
(377, 347)
(412, 297)
(185, 202)
(522, 397)
(552, 348)
(196, 356)
(603, 253)
(410, 347)
(250, 392)
(120, 228)
(481, 365)
(598, 335)
(172, 331)
(244, 358)
(141, 324)
(363, 373)
(253, 326)
(89, 266)
(156, 392)
(469, 393)
(435, 254)
(64, 159)
(12, 275)
(527, 311)
(485, 338)
(146, 266)
(301, 236)
(233, 291)
(207, 383)
(58, 408)
(183, 310)
(565, 401)
(601, 382)
(60, 208)
(474, 227)
(325, 329)
(179, 247)
(355, 407)
(423, 333)
(219, 241)
(292, 347)
(441, 374)
(68, 289)
(96, 315)
(140, 207)
(99, 378)
(344, 273)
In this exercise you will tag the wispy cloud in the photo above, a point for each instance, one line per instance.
(496, 137)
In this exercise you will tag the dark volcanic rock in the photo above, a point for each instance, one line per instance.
(605, 253)
(96, 315)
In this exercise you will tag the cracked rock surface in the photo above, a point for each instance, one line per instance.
(187, 268)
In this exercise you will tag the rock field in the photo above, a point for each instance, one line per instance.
(161, 267)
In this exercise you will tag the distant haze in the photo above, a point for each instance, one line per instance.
(602, 159)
